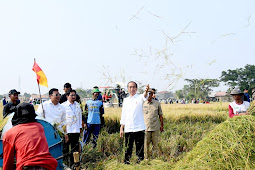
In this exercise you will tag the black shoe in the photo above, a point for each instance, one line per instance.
(138, 161)
(126, 162)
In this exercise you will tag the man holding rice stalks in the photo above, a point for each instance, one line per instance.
(238, 107)
(153, 117)
(53, 112)
(132, 122)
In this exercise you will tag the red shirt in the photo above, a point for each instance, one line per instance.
(29, 145)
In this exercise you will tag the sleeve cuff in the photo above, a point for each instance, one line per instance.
(122, 122)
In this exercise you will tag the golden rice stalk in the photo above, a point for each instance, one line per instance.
(3, 122)
(251, 109)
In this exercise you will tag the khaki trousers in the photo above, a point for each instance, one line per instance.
(151, 136)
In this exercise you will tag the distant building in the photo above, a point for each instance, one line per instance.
(23, 98)
(164, 95)
(36, 97)
(223, 96)
(211, 97)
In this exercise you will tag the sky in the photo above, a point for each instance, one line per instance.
(88, 43)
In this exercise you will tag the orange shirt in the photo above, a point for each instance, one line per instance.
(29, 145)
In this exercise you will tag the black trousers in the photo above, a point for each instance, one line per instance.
(138, 138)
(74, 142)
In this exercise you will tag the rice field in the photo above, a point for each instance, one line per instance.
(184, 126)
(192, 132)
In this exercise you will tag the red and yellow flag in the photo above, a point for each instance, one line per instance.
(41, 78)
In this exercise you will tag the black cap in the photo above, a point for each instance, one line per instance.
(24, 109)
(24, 113)
(67, 85)
(13, 91)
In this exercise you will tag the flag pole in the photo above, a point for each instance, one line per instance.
(40, 95)
(41, 100)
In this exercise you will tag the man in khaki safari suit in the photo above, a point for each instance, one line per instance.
(153, 117)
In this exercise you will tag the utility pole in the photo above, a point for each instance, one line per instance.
(19, 84)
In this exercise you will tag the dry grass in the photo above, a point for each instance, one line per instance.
(177, 112)
(229, 146)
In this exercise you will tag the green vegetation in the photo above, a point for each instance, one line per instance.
(184, 127)
(197, 136)
(240, 77)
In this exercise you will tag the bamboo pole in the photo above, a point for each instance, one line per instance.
(76, 157)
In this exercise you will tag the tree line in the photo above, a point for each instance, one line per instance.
(243, 78)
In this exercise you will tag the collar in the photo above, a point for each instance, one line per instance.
(70, 103)
(239, 104)
(53, 103)
(133, 96)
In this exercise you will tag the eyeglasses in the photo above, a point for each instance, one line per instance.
(56, 94)
(72, 95)
(130, 87)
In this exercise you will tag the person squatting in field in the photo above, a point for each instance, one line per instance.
(238, 107)
(26, 142)
(132, 122)
(153, 117)
(94, 110)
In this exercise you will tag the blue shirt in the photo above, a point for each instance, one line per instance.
(246, 97)
(99, 97)
(94, 107)
(4, 102)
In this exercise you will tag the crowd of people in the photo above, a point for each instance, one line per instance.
(141, 123)
(65, 113)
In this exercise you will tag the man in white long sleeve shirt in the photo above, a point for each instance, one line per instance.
(52, 111)
(132, 122)
(73, 124)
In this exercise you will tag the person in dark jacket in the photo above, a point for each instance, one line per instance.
(246, 95)
(11, 106)
(63, 98)
(4, 101)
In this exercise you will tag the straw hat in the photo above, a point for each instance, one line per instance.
(236, 92)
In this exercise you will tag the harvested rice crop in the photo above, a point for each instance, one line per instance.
(251, 109)
(229, 146)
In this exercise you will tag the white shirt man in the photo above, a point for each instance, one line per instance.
(132, 122)
(73, 117)
(73, 124)
(132, 113)
(52, 111)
